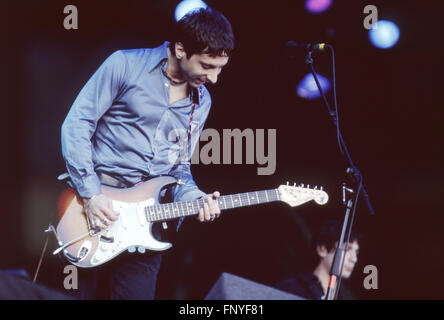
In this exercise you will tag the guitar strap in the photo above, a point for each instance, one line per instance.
(195, 100)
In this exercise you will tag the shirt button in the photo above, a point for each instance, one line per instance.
(166, 84)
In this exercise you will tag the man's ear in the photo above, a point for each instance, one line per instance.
(179, 50)
(321, 250)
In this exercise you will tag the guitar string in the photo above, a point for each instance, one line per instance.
(169, 211)
(163, 211)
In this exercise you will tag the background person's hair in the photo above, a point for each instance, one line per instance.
(329, 232)
(204, 29)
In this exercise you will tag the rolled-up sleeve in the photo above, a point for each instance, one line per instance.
(95, 98)
(188, 190)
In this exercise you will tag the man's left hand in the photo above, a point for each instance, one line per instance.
(211, 210)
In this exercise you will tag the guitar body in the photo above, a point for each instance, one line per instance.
(131, 231)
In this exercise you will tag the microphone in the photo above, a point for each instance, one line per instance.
(293, 47)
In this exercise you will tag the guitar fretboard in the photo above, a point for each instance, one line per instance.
(174, 210)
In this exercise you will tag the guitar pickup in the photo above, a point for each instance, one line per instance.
(107, 239)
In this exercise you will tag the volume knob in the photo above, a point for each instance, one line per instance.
(141, 249)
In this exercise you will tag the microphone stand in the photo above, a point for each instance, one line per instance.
(352, 168)
(339, 257)
(336, 268)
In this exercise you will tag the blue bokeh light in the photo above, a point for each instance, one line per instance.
(308, 89)
(186, 6)
(384, 35)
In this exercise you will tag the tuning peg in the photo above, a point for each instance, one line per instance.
(294, 185)
(287, 183)
(316, 187)
(302, 185)
(308, 186)
(321, 188)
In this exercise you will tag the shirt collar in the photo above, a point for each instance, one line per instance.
(157, 56)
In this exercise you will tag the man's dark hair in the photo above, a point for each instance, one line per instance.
(204, 29)
(329, 233)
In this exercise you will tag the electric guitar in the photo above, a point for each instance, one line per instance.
(139, 208)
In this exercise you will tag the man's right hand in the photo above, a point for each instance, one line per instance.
(99, 211)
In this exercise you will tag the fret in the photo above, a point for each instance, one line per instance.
(266, 196)
(252, 198)
(147, 214)
(170, 210)
(240, 200)
(194, 205)
(178, 213)
(165, 210)
(197, 203)
(225, 201)
(248, 198)
(190, 203)
(277, 194)
(183, 208)
(232, 202)
(171, 206)
(153, 212)
(160, 211)
(148, 209)
(257, 197)
(176, 209)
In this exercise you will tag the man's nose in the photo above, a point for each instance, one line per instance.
(212, 76)
(353, 257)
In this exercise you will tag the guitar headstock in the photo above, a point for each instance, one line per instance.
(297, 195)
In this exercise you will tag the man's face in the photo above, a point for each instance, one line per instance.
(351, 257)
(201, 68)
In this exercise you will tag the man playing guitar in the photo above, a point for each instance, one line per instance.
(118, 133)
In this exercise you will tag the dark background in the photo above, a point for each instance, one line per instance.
(390, 105)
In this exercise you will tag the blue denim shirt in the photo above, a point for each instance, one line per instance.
(122, 123)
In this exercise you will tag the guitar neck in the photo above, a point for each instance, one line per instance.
(174, 210)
